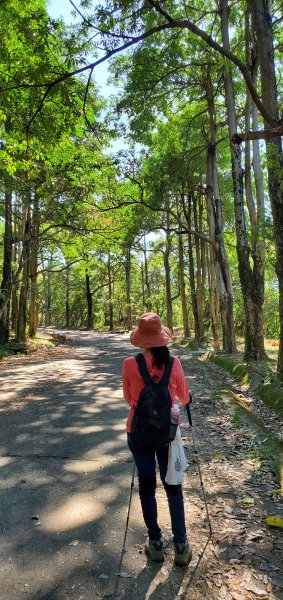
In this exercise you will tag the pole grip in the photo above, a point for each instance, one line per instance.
(189, 415)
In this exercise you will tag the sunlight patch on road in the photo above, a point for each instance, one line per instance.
(119, 427)
(79, 509)
(91, 466)
(106, 390)
(84, 430)
(5, 460)
(92, 409)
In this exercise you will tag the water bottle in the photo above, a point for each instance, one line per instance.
(174, 421)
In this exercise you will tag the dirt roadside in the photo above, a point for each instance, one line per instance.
(74, 475)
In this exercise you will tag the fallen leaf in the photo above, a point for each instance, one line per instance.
(255, 590)
(255, 535)
(223, 591)
(74, 543)
(247, 575)
(235, 561)
(236, 596)
(248, 500)
(230, 532)
(275, 521)
(215, 549)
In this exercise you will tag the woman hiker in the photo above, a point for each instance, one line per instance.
(154, 337)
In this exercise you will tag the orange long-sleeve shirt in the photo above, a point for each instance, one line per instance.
(133, 383)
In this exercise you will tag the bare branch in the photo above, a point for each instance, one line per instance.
(50, 85)
(263, 134)
(161, 11)
(187, 24)
(85, 99)
(73, 262)
(170, 24)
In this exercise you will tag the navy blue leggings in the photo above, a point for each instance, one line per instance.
(145, 459)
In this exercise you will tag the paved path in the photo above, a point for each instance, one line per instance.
(65, 474)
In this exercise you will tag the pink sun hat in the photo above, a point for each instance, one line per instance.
(150, 332)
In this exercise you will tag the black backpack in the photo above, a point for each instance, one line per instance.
(151, 419)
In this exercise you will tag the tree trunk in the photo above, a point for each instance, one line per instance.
(34, 305)
(128, 290)
(253, 345)
(142, 283)
(214, 267)
(146, 278)
(166, 257)
(186, 325)
(6, 283)
(192, 272)
(202, 245)
(15, 303)
(199, 289)
(89, 303)
(22, 310)
(110, 297)
(213, 296)
(263, 30)
(256, 210)
(218, 259)
(47, 320)
(67, 314)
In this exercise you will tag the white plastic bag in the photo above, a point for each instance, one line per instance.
(177, 462)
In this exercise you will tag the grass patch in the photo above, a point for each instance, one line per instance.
(260, 377)
(4, 353)
(190, 344)
(272, 395)
(13, 348)
(236, 419)
(239, 370)
(41, 341)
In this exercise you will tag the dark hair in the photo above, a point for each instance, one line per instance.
(160, 355)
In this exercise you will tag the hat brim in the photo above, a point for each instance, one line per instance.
(151, 341)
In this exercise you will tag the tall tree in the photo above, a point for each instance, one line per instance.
(262, 20)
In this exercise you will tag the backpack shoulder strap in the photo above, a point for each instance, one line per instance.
(143, 369)
(166, 375)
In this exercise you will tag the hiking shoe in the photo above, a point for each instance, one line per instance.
(154, 549)
(183, 553)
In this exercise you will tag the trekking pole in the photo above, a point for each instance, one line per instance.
(126, 531)
(198, 465)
